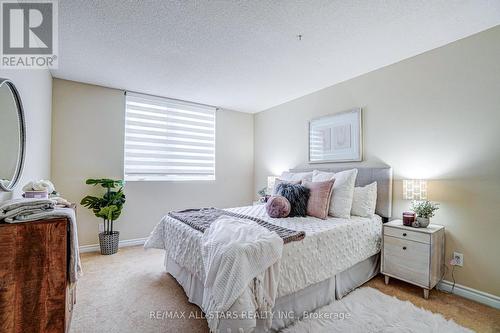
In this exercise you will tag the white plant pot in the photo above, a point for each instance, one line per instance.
(421, 222)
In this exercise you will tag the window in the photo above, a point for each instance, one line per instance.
(167, 139)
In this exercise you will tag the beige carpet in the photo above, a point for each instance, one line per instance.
(119, 293)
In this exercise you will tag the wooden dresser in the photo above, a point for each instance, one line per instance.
(34, 291)
(414, 255)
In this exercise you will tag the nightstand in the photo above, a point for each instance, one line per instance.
(414, 255)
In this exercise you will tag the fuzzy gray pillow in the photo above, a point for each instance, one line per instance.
(297, 195)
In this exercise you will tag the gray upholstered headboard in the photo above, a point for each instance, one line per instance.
(366, 175)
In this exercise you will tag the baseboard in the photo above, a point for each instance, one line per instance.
(472, 294)
(122, 243)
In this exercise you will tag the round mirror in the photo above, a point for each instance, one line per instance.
(12, 135)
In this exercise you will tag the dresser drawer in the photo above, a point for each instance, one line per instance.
(406, 259)
(406, 234)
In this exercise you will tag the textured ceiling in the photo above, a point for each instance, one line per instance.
(244, 55)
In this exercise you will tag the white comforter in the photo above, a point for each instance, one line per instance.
(236, 252)
(330, 246)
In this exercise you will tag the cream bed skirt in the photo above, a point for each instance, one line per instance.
(287, 308)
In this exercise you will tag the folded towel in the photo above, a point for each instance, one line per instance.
(14, 207)
(24, 215)
(26, 210)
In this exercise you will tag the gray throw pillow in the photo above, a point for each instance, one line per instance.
(297, 195)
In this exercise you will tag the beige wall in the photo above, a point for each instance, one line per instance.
(88, 134)
(35, 88)
(435, 116)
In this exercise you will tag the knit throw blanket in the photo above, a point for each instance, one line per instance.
(201, 219)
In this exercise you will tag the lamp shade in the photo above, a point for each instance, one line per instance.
(414, 189)
(270, 184)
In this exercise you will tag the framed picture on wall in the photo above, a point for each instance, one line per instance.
(336, 137)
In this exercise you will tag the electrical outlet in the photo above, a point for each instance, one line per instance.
(458, 259)
(101, 227)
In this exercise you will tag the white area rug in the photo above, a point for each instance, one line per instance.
(369, 310)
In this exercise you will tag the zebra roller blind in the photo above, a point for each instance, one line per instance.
(168, 139)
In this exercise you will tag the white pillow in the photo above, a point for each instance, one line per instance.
(364, 200)
(343, 190)
(296, 176)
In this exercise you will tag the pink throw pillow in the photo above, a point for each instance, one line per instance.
(319, 198)
(278, 207)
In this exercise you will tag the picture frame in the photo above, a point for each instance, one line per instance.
(337, 137)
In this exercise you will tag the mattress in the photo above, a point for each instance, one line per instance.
(330, 246)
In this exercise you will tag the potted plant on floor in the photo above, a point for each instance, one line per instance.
(108, 207)
(424, 210)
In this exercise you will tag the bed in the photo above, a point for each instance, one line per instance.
(336, 256)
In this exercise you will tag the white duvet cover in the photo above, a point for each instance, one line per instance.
(330, 246)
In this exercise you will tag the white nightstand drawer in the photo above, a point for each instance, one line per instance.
(407, 259)
(407, 234)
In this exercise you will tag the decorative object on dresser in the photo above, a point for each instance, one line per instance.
(108, 207)
(36, 194)
(424, 210)
(409, 218)
(40, 189)
(35, 292)
(413, 255)
(336, 137)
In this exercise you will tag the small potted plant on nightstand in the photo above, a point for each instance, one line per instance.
(263, 195)
(424, 210)
(108, 207)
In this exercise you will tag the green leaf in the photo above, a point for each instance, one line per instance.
(108, 212)
(115, 197)
(93, 203)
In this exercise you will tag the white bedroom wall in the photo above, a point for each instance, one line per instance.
(88, 133)
(435, 116)
(35, 88)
